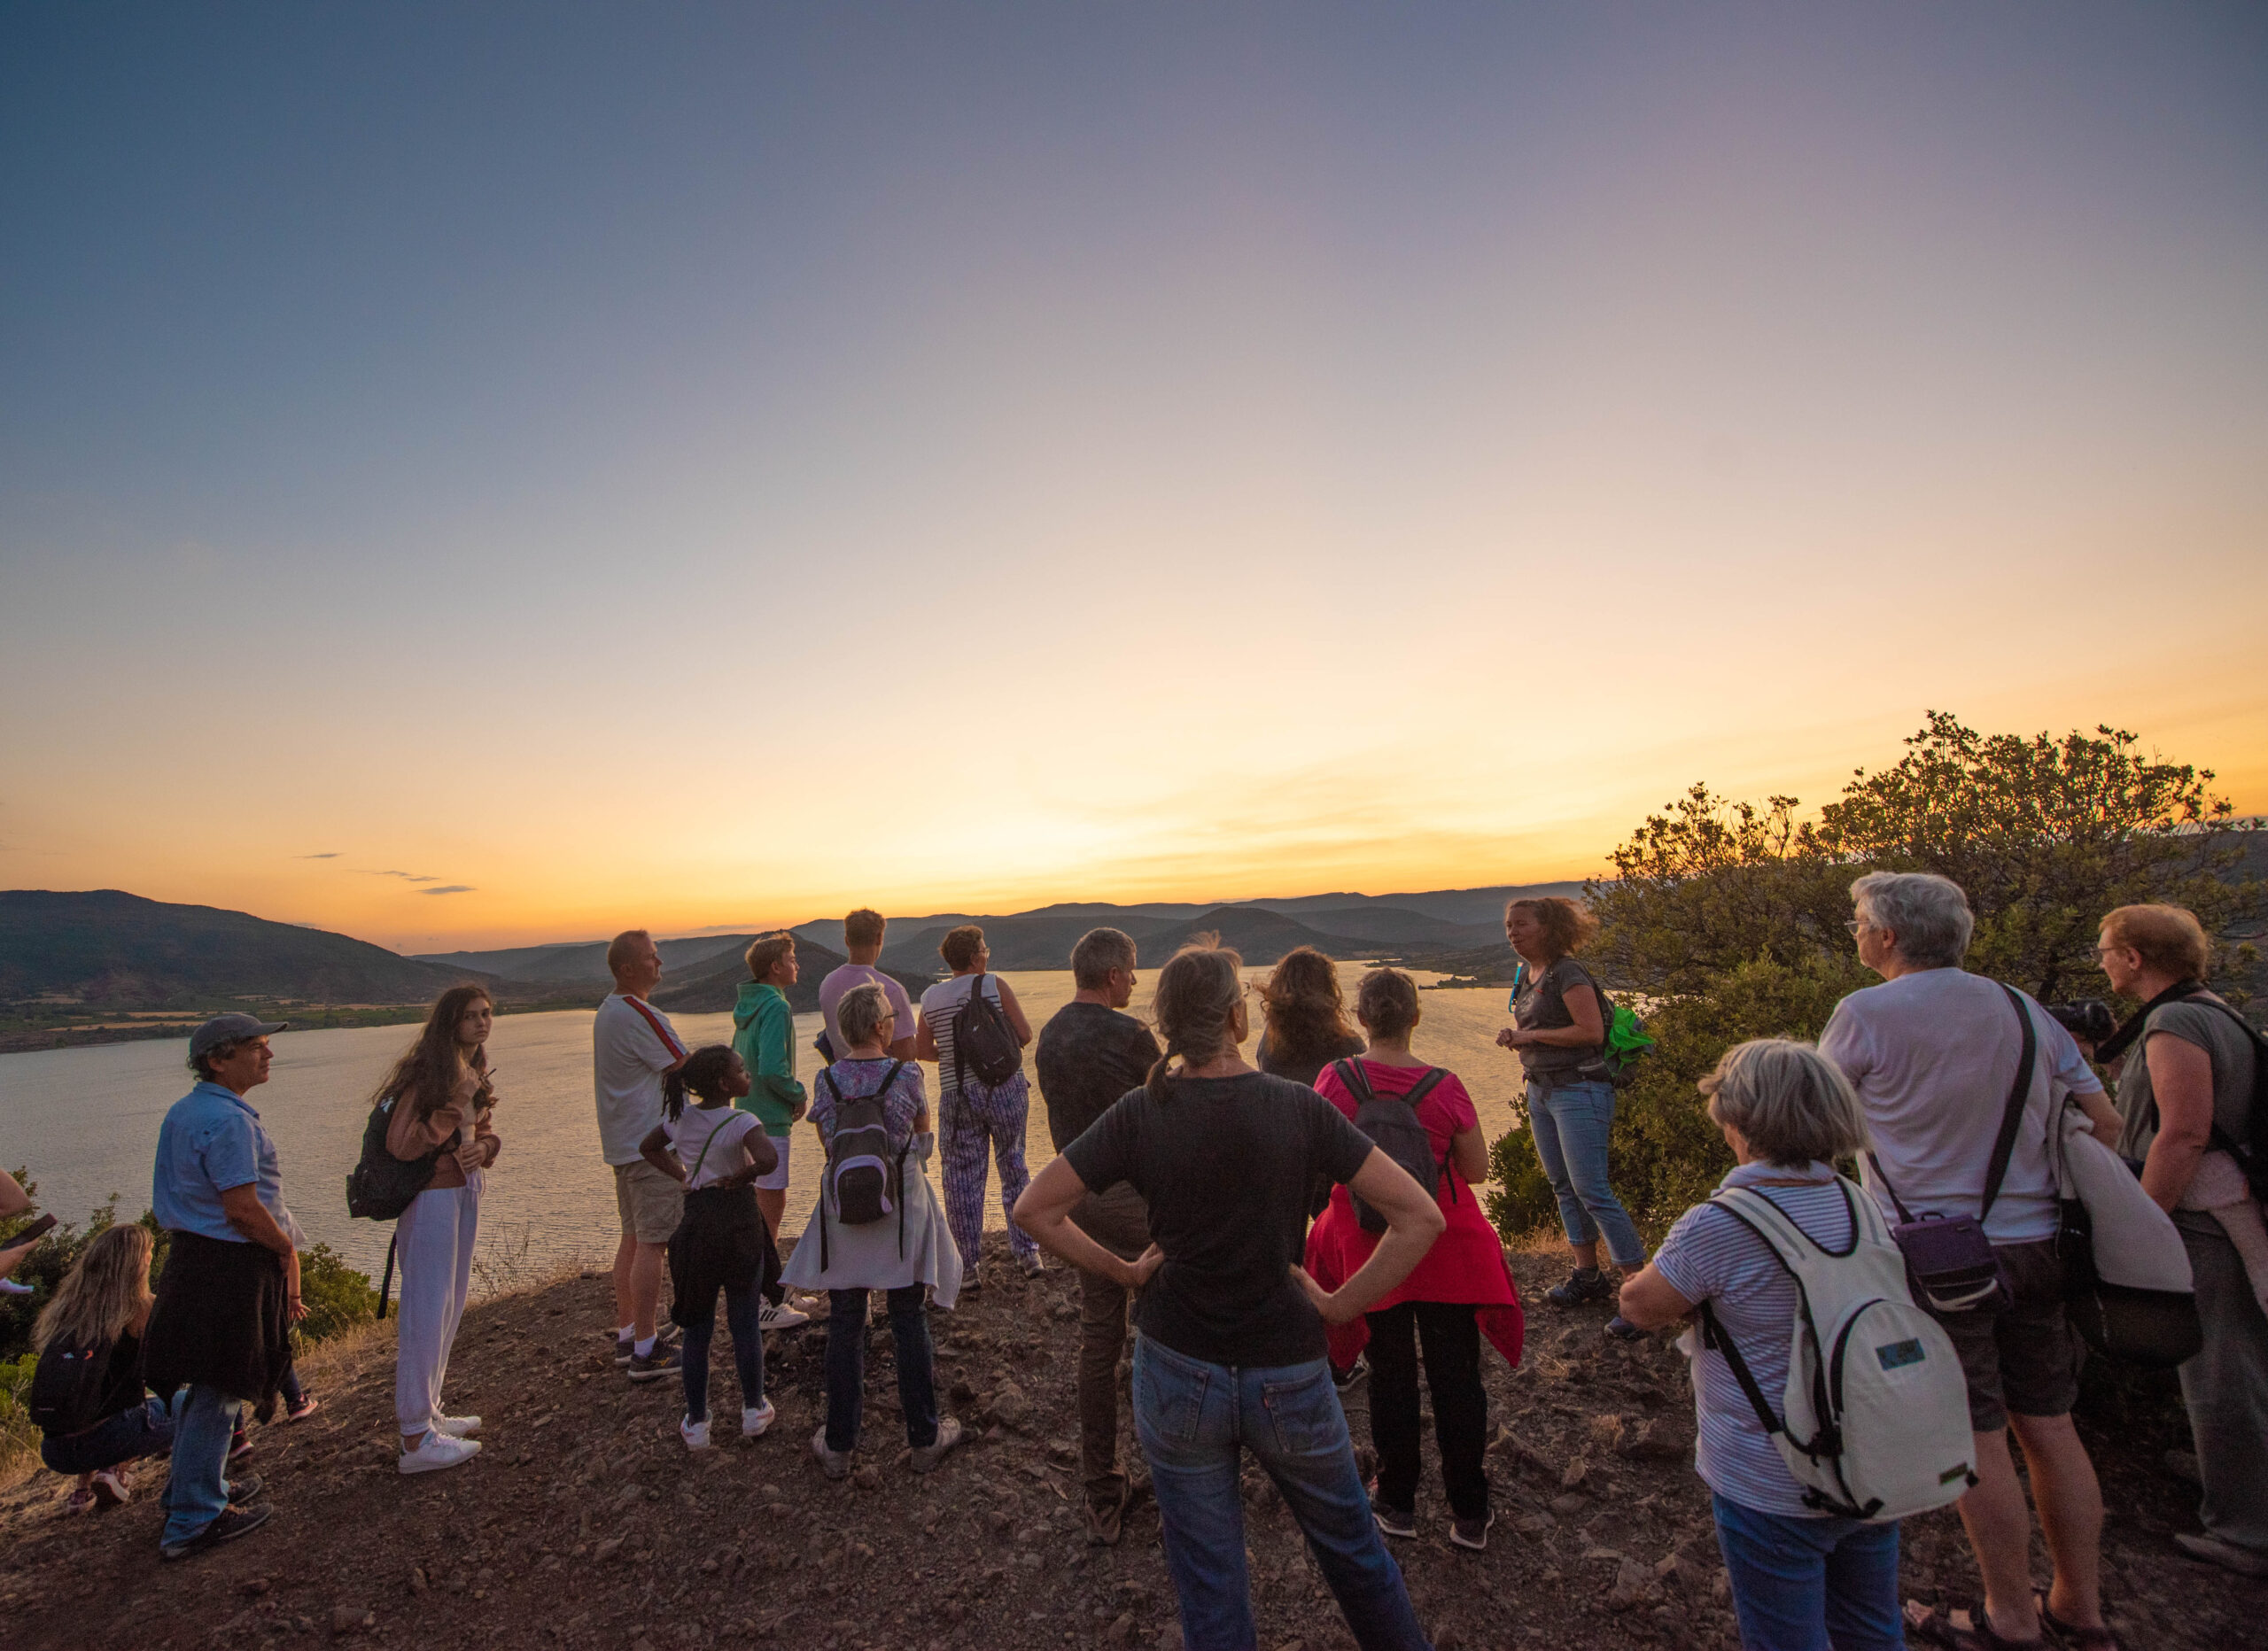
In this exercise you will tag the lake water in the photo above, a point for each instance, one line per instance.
(84, 1121)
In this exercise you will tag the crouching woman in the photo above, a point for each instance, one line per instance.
(90, 1342)
(1230, 1353)
(1801, 1579)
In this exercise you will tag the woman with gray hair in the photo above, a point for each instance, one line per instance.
(1801, 1577)
(1960, 1127)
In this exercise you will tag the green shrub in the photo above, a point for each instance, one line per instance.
(336, 1296)
(1663, 1154)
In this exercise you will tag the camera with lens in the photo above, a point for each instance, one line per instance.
(2088, 1019)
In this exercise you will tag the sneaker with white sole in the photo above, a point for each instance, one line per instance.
(695, 1434)
(926, 1457)
(1473, 1533)
(663, 1361)
(837, 1463)
(781, 1318)
(456, 1427)
(435, 1452)
(625, 1352)
(1395, 1522)
(754, 1421)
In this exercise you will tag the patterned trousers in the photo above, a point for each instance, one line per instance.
(967, 1119)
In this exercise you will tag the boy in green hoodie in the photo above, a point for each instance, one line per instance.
(764, 1036)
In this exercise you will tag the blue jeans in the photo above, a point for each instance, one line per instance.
(742, 1308)
(130, 1435)
(196, 1491)
(1193, 1420)
(1807, 1584)
(1570, 1124)
(846, 1366)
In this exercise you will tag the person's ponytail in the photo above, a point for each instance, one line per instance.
(673, 1096)
(1195, 1005)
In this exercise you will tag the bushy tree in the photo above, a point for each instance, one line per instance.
(1727, 918)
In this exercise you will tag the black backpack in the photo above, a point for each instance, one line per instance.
(1392, 1121)
(867, 1179)
(67, 1389)
(984, 1041)
(381, 1186)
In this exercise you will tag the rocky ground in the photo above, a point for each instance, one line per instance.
(586, 1524)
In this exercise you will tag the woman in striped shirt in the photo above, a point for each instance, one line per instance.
(1801, 1579)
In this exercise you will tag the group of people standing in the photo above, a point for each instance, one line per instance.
(1271, 1231)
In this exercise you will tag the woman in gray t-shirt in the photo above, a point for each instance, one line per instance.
(1559, 1030)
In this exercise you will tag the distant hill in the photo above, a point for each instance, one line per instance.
(582, 960)
(107, 949)
(715, 987)
(1261, 935)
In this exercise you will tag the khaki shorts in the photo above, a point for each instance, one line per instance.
(649, 1201)
(2024, 1357)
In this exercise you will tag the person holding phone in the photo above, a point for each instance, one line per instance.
(230, 1292)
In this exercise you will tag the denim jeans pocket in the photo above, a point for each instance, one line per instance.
(1170, 1394)
(1304, 1413)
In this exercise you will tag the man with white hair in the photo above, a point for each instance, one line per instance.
(633, 1048)
(1933, 1053)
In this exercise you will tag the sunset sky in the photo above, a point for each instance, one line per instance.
(482, 474)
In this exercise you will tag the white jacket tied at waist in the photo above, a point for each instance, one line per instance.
(866, 1257)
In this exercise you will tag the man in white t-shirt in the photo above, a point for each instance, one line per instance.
(1933, 1053)
(633, 1048)
(862, 940)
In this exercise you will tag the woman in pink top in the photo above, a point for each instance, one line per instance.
(1462, 1291)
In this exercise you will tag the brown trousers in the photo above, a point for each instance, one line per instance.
(1120, 1222)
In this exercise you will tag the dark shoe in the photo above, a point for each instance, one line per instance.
(627, 1352)
(1473, 1533)
(1395, 1522)
(661, 1362)
(1344, 1379)
(1924, 1623)
(1578, 1290)
(2073, 1639)
(1106, 1517)
(233, 1523)
(1622, 1329)
(308, 1405)
(243, 1488)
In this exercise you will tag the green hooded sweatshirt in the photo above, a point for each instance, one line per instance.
(764, 1036)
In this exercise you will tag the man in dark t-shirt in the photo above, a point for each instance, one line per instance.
(1088, 1055)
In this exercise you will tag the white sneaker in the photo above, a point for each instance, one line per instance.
(754, 1422)
(695, 1434)
(456, 1427)
(780, 1318)
(438, 1451)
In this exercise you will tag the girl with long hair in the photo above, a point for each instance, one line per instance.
(717, 1151)
(97, 1316)
(1305, 1014)
(1230, 1353)
(440, 1099)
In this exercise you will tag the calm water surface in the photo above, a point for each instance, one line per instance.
(85, 1121)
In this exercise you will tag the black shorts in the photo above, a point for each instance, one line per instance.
(2024, 1356)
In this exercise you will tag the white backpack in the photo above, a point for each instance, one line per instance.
(1875, 1421)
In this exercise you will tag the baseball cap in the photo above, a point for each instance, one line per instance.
(229, 1029)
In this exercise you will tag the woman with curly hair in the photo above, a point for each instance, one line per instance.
(1304, 1018)
(440, 1100)
(99, 1312)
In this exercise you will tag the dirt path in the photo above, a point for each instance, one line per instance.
(586, 1524)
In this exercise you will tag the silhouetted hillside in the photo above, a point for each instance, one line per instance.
(582, 960)
(108, 949)
(1261, 935)
(715, 987)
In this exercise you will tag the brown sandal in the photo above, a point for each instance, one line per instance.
(1925, 1623)
(2074, 1638)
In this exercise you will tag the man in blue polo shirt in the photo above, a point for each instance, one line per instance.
(230, 1289)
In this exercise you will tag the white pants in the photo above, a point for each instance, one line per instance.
(434, 1248)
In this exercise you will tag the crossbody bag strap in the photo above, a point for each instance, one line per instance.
(2012, 1114)
(1904, 1214)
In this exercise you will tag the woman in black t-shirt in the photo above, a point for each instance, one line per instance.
(98, 1313)
(1230, 1354)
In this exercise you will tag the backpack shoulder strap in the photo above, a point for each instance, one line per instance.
(1427, 1083)
(1358, 1085)
(1713, 1336)
(702, 1157)
(2012, 1114)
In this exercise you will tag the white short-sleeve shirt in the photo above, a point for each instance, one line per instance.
(632, 1045)
(1933, 1055)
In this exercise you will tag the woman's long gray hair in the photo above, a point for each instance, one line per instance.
(1196, 1006)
